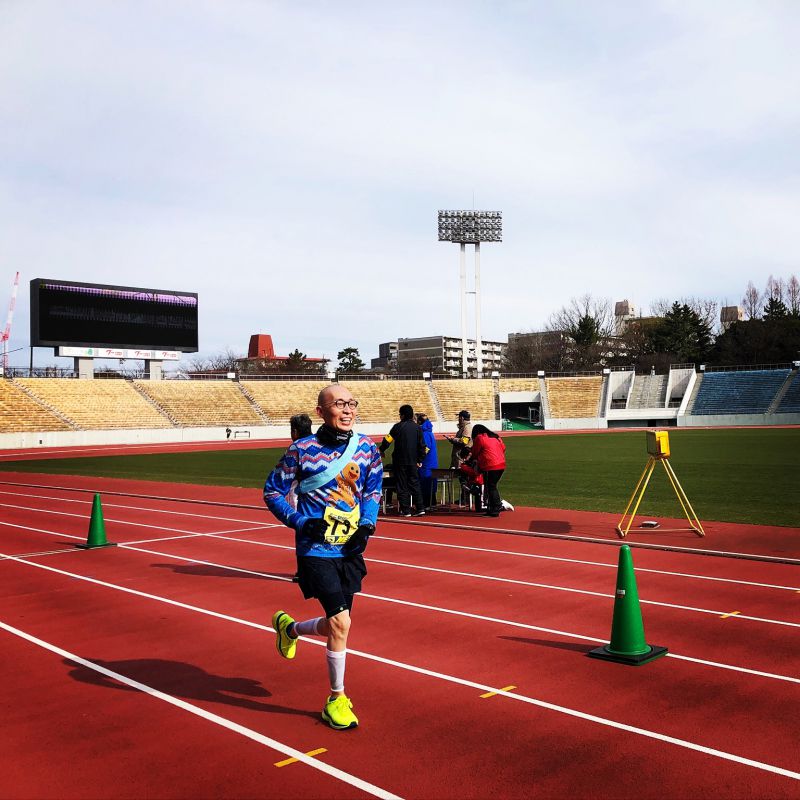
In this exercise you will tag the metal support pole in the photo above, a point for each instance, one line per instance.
(478, 343)
(463, 290)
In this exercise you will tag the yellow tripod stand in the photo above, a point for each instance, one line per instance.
(658, 450)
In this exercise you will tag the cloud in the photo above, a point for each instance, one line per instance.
(286, 161)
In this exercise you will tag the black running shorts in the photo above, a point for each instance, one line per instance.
(333, 581)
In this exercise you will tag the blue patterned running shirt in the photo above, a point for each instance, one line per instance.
(350, 499)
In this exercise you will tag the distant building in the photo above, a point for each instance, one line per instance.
(729, 315)
(624, 312)
(387, 357)
(443, 354)
(261, 358)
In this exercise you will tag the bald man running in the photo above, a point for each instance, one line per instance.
(339, 474)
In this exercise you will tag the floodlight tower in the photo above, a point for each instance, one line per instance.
(470, 227)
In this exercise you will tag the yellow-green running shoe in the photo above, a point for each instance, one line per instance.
(338, 713)
(287, 646)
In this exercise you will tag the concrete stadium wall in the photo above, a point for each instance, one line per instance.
(619, 417)
(722, 420)
(574, 423)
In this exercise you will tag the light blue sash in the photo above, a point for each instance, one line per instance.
(331, 471)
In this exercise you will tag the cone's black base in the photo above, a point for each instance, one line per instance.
(632, 660)
(95, 546)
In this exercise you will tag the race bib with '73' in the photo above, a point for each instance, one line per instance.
(341, 524)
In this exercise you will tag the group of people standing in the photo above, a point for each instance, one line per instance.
(327, 487)
(478, 457)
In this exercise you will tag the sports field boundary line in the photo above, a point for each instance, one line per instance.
(431, 524)
(721, 754)
(235, 727)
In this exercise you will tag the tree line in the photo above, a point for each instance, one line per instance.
(582, 336)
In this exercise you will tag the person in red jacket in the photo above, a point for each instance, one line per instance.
(489, 450)
(470, 478)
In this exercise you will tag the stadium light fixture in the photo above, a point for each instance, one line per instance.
(470, 227)
(463, 228)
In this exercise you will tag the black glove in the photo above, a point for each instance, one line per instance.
(357, 543)
(314, 528)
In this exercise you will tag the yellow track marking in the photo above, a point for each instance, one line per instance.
(731, 614)
(288, 761)
(504, 689)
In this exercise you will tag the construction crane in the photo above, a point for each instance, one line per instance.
(6, 335)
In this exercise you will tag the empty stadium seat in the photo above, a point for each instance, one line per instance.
(743, 392)
(202, 403)
(20, 413)
(96, 404)
(573, 397)
(476, 396)
(379, 401)
(280, 400)
(791, 400)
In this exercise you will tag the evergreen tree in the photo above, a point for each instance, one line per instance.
(684, 334)
(295, 362)
(350, 360)
(775, 309)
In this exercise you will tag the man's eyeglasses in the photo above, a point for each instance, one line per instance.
(340, 404)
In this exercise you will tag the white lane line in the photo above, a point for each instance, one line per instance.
(588, 563)
(576, 591)
(594, 540)
(448, 678)
(195, 535)
(41, 553)
(106, 518)
(112, 504)
(108, 504)
(409, 603)
(189, 447)
(713, 612)
(40, 530)
(209, 716)
(532, 584)
(210, 534)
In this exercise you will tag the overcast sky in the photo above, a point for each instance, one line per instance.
(286, 160)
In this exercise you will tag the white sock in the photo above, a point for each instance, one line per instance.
(308, 626)
(336, 668)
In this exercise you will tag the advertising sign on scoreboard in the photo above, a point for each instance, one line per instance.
(115, 352)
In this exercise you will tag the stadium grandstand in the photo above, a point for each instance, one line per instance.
(62, 409)
(253, 397)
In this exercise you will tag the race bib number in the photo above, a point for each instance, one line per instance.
(341, 524)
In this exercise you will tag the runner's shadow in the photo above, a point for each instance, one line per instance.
(179, 679)
(573, 646)
(207, 571)
(549, 526)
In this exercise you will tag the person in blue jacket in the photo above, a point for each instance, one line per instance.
(339, 474)
(430, 462)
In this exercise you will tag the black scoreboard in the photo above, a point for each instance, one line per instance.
(71, 314)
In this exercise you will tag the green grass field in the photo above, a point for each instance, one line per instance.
(750, 475)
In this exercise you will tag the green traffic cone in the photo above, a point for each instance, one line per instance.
(627, 645)
(97, 528)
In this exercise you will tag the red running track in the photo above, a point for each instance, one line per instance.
(182, 607)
